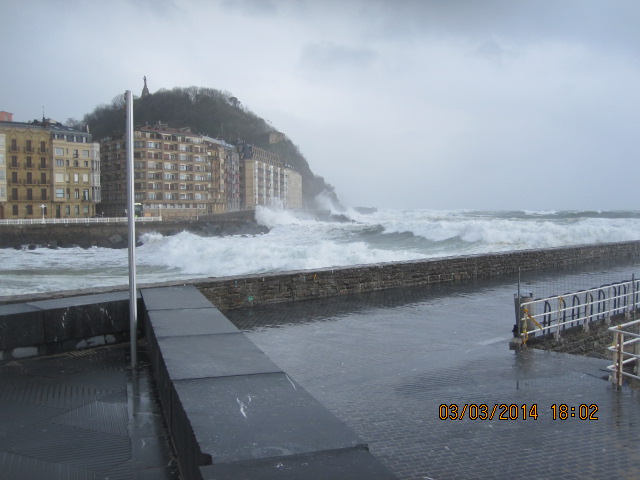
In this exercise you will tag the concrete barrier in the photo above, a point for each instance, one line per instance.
(54, 326)
(231, 411)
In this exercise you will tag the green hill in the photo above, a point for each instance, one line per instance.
(210, 112)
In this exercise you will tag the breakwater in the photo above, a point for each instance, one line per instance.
(114, 235)
(236, 292)
(228, 293)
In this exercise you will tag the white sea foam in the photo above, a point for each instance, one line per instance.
(300, 242)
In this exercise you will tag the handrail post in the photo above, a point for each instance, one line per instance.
(619, 357)
(556, 335)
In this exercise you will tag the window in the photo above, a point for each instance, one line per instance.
(59, 162)
(85, 209)
(29, 178)
(85, 194)
(1, 158)
(14, 161)
(29, 209)
(59, 151)
(76, 177)
(76, 209)
(43, 147)
(59, 192)
(59, 177)
(67, 210)
(43, 162)
(2, 174)
(14, 177)
(3, 193)
(43, 193)
(43, 178)
(29, 147)
(14, 145)
(29, 162)
(14, 210)
(85, 178)
(86, 164)
(29, 194)
(77, 193)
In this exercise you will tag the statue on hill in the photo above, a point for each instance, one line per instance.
(145, 89)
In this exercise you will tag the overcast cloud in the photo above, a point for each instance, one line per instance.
(403, 104)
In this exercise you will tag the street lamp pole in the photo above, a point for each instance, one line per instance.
(43, 206)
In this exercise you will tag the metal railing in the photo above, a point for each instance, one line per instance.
(551, 315)
(40, 221)
(625, 352)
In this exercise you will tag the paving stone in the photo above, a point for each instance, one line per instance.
(384, 366)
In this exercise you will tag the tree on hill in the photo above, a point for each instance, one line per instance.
(210, 112)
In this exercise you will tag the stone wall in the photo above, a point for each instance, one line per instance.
(114, 235)
(235, 292)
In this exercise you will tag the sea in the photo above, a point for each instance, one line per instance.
(299, 241)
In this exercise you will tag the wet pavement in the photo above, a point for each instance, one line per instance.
(388, 364)
(82, 415)
(385, 362)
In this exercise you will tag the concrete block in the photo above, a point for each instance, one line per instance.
(64, 321)
(347, 464)
(172, 298)
(21, 325)
(205, 356)
(182, 322)
(253, 417)
(98, 298)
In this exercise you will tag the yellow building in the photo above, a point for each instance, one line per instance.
(267, 181)
(47, 170)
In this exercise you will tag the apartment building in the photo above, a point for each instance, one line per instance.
(226, 174)
(47, 170)
(172, 173)
(267, 180)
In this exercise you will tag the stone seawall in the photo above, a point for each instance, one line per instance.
(244, 291)
(114, 235)
(236, 292)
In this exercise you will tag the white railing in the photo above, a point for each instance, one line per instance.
(551, 315)
(40, 221)
(625, 352)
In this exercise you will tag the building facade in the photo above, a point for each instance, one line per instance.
(226, 172)
(47, 170)
(172, 173)
(267, 181)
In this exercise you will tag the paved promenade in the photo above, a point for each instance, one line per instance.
(385, 362)
(388, 364)
(82, 415)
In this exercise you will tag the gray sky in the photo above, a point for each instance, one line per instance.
(496, 104)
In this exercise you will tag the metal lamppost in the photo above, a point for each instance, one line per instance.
(43, 207)
(133, 297)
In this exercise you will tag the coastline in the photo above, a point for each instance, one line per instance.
(114, 235)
